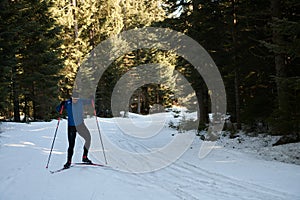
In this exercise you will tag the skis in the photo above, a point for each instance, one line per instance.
(78, 164)
(59, 170)
(92, 164)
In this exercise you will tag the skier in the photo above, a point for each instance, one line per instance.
(74, 107)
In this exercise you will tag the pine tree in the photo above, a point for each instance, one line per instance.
(232, 31)
(9, 47)
(78, 21)
(285, 48)
(33, 56)
(123, 16)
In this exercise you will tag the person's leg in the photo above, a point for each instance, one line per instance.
(71, 140)
(85, 133)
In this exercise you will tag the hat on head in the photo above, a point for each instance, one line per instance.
(75, 94)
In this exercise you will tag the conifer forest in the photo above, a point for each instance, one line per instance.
(254, 43)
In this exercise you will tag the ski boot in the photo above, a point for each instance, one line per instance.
(68, 164)
(86, 160)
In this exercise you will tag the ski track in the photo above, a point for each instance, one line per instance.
(182, 180)
(189, 177)
(185, 178)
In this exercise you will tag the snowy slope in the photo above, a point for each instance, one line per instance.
(225, 174)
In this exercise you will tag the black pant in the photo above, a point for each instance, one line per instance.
(83, 132)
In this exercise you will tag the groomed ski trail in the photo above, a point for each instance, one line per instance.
(222, 175)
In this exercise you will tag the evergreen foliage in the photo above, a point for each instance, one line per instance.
(31, 58)
(254, 43)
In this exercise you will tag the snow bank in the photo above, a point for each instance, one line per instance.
(261, 147)
(233, 170)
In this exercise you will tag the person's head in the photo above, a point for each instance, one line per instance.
(75, 97)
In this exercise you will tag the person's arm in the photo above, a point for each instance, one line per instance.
(60, 107)
(87, 101)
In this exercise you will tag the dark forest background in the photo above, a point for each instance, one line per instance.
(254, 43)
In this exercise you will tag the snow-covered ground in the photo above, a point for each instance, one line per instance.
(243, 168)
(261, 146)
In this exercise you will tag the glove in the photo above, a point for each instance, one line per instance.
(58, 108)
(92, 97)
(62, 103)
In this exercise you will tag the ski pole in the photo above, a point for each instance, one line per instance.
(60, 112)
(93, 104)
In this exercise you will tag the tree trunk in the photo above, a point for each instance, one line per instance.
(236, 70)
(16, 105)
(74, 4)
(279, 60)
(281, 125)
(34, 109)
(202, 97)
(15, 96)
(139, 102)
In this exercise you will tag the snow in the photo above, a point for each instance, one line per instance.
(261, 146)
(244, 168)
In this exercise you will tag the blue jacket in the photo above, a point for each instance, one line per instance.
(75, 111)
